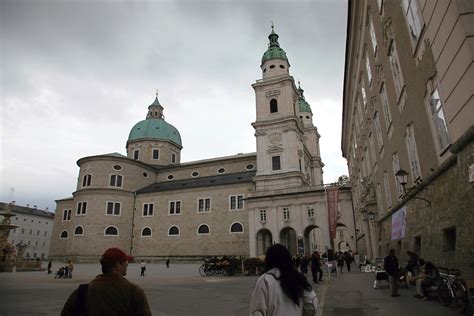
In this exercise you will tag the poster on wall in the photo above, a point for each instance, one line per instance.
(399, 223)
(332, 199)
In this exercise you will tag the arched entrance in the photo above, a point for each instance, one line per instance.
(342, 237)
(288, 239)
(264, 240)
(313, 239)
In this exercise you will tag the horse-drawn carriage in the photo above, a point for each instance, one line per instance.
(226, 266)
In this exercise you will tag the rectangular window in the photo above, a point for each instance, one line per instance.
(412, 153)
(414, 23)
(175, 208)
(156, 154)
(81, 208)
(372, 149)
(148, 209)
(115, 180)
(204, 205)
(449, 236)
(395, 168)
(276, 163)
(113, 208)
(236, 202)
(439, 121)
(67, 215)
(388, 195)
(286, 214)
(310, 212)
(364, 96)
(379, 199)
(373, 38)
(378, 131)
(368, 69)
(136, 154)
(385, 107)
(396, 70)
(173, 158)
(263, 215)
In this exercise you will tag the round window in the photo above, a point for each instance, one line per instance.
(117, 167)
(145, 175)
(195, 174)
(170, 177)
(221, 170)
(250, 167)
(272, 66)
(282, 67)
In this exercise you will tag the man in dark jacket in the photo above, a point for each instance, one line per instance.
(109, 293)
(390, 265)
(316, 267)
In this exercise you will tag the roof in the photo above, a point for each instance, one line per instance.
(27, 210)
(303, 105)
(223, 179)
(274, 50)
(155, 103)
(155, 128)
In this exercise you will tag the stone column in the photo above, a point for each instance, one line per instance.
(368, 244)
(373, 238)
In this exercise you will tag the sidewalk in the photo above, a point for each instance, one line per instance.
(352, 293)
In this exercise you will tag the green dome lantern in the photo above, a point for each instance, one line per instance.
(274, 50)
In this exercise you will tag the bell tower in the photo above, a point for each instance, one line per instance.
(279, 131)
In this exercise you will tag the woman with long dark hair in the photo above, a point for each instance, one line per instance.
(282, 290)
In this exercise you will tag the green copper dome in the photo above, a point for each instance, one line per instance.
(274, 50)
(155, 127)
(303, 105)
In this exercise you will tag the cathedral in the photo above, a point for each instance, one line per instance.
(154, 206)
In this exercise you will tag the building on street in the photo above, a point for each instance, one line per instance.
(408, 114)
(154, 206)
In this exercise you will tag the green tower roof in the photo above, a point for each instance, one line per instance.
(303, 105)
(274, 50)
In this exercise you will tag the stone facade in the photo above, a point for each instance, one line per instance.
(155, 207)
(408, 105)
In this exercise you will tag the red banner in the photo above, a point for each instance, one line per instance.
(332, 199)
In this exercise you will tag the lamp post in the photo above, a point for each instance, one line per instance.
(402, 178)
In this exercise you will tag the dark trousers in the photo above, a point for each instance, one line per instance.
(143, 272)
(348, 263)
(315, 271)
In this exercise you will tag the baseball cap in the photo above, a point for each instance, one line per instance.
(115, 254)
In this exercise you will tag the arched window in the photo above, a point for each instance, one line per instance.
(86, 180)
(115, 180)
(273, 106)
(203, 230)
(173, 231)
(111, 231)
(63, 234)
(78, 231)
(236, 228)
(146, 232)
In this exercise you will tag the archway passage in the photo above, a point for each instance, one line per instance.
(313, 239)
(342, 236)
(264, 240)
(288, 239)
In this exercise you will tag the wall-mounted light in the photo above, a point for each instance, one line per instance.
(402, 178)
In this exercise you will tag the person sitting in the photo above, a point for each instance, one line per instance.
(419, 278)
(431, 279)
(412, 262)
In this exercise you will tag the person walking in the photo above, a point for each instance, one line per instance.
(304, 264)
(340, 261)
(348, 260)
(390, 265)
(316, 267)
(143, 268)
(109, 293)
(70, 267)
(282, 290)
(168, 262)
(50, 265)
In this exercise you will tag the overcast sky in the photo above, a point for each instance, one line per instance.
(77, 75)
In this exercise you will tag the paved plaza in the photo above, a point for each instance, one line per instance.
(180, 290)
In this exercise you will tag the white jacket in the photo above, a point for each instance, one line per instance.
(268, 298)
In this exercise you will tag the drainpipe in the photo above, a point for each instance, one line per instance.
(134, 209)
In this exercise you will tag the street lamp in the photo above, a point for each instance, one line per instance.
(402, 178)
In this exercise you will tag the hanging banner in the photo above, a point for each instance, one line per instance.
(399, 223)
(332, 199)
